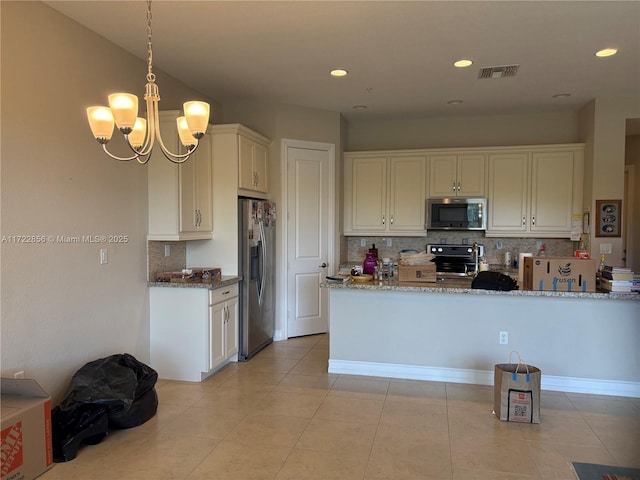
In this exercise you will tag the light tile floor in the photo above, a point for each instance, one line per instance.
(282, 416)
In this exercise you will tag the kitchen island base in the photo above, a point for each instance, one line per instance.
(582, 345)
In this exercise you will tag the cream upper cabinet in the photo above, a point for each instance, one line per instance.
(385, 194)
(252, 167)
(457, 175)
(180, 196)
(195, 190)
(534, 192)
(555, 193)
(240, 148)
(508, 192)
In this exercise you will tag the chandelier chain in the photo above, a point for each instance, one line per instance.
(150, 75)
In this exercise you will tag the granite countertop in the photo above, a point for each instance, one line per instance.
(464, 286)
(223, 282)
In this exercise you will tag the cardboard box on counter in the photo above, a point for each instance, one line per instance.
(417, 273)
(26, 447)
(196, 275)
(559, 274)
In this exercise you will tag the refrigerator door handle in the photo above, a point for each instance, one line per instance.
(263, 251)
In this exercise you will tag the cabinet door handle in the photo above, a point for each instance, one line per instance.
(533, 220)
(391, 220)
(524, 220)
(383, 221)
(453, 187)
(458, 186)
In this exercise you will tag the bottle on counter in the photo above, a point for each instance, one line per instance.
(601, 266)
(484, 264)
(515, 259)
(369, 265)
(543, 251)
(374, 251)
(507, 258)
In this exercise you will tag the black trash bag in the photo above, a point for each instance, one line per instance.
(119, 388)
(494, 281)
(87, 424)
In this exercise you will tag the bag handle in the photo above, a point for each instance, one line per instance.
(520, 362)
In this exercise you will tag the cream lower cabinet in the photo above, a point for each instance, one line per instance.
(179, 196)
(190, 335)
(457, 175)
(385, 194)
(534, 192)
(223, 325)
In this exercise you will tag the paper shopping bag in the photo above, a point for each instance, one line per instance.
(516, 392)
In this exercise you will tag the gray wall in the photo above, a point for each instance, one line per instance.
(60, 307)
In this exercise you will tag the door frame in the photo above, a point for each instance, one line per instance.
(283, 221)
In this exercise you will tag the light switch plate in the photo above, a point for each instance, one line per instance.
(605, 248)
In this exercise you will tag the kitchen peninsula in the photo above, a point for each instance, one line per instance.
(582, 342)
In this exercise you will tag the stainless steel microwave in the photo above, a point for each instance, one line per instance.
(457, 213)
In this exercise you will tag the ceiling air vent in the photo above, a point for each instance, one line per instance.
(498, 72)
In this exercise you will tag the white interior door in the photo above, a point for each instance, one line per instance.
(309, 237)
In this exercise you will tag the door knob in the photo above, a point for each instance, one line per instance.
(324, 265)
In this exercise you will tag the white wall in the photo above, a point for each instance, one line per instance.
(562, 336)
(60, 307)
(472, 131)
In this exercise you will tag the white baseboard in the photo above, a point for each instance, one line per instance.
(278, 335)
(482, 377)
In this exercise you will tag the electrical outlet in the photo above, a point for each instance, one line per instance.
(499, 244)
(389, 242)
(19, 374)
(104, 256)
(167, 250)
(363, 242)
(504, 338)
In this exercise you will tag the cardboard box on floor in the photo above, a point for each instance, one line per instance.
(26, 448)
(559, 274)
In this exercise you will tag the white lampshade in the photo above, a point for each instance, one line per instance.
(197, 115)
(137, 135)
(124, 107)
(186, 137)
(101, 122)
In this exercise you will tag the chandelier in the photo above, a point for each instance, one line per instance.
(140, 134)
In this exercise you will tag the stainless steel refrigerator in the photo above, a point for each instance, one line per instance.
(257, 235)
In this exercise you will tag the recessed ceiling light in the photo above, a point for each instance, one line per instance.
(462, 63)
(360, 107)
(454, 102)
(338, 72)
(606, 52)
(561, 95)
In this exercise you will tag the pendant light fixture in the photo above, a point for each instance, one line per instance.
(141, 134)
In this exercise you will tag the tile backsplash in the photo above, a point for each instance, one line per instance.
(157, 262)
(555, 247)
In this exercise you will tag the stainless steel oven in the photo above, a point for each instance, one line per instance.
(455, 260)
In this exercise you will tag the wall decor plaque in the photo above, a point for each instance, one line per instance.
(608, 218)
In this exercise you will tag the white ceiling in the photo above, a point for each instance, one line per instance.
(399, 54)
